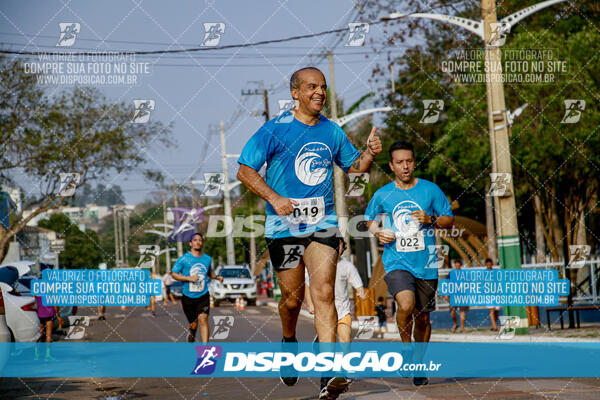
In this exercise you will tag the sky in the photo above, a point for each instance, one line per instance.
(195, 91)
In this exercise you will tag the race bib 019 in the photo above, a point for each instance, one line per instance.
(308, 211)
(410, 243)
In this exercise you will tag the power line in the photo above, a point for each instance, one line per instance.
(193, 49)
(237, 55)
(143, 43)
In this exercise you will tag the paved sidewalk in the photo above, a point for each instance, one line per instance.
(539, 335)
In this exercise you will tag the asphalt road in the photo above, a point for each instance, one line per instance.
(260, 324)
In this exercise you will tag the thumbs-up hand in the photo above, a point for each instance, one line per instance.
(374, 146)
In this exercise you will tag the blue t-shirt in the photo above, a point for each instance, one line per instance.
(414, 248)
(189, 265)
(300, 162)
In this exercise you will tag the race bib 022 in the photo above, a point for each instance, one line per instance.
(410, 243)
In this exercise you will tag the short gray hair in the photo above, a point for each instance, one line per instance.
(295, 79)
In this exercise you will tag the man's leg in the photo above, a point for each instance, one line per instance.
(192, 333)
(190, 310)
(453, 316)
(49, 327)
(463, 318)
(291, 282)
(422, 327)
(344, 329)
(406, 305)
(320, 259)
(493, 317)
(203, 322)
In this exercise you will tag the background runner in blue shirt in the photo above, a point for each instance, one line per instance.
(300, 148)
(194, 270)
(412, 208)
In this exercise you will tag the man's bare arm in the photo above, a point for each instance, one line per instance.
(444, 222)
(441, 222)
(253, 181)
(364, 161)
(384, 236)
(184, 278)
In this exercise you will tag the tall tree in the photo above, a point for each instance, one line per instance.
(76, 131)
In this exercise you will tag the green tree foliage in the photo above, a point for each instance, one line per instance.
(82, 249)
(77, 130)
(101, 195)
(557, 162)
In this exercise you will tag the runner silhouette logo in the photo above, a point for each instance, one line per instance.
(357, 33)
(573, 110)
(358, 183)
(143, 109)
(207, 359)
(292, 255)
(68, 33)
(222, 326)
(431, 111)
(212, 33)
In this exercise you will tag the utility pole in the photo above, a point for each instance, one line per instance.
(120, 237)
(168, 253)
(176, 204)
(509, 250)
(266, 100)
(227, 200)
(338, 175)
(192, 193)
(265, 94)
(126, 234)
(114, 210)
(490, 228)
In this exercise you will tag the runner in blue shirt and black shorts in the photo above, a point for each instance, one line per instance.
(194, 270)
(412, 208)
(300, 148)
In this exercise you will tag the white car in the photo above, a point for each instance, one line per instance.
(4, 332)
(20, 312)
(237, 282)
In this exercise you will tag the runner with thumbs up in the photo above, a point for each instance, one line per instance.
(300, 148)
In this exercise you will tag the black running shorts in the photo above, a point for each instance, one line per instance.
(287, 252)
(194, 306)
(424, 289)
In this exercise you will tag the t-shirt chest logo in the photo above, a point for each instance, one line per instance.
(313, 162)
(197, 269)
(403, 219)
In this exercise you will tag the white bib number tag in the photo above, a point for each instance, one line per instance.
(308, 211)
(197, 286)
(414, 242)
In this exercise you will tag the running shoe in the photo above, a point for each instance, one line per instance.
(331, 388)
(286, 372)
(420, 381)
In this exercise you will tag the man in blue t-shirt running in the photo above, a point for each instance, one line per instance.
(194, 270)
(300, 148)
(413, 208)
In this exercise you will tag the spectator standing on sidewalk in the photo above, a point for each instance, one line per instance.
(462, 309)
(381, 315)
(493, 309)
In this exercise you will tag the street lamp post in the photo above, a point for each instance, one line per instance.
(227, 188)
(491, 31)
(340, 200)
